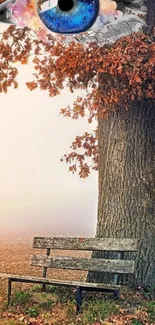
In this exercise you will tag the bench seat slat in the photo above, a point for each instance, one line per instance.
(93, 264)
(90, 244)
(39, 280)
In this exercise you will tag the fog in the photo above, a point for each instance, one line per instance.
(37, 193)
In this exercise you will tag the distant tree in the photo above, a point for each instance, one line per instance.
(121, 97)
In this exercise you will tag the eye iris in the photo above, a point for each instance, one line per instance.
(65, 5)
(70, 16)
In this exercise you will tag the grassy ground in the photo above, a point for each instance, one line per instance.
(57, 306)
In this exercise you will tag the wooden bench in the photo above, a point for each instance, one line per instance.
(114, 266)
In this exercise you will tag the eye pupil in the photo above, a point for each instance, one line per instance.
(65, 5)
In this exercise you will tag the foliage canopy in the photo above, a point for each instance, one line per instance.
(115, 76)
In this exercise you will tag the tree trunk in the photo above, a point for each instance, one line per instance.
(126, 206)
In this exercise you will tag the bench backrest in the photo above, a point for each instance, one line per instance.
(118, 266)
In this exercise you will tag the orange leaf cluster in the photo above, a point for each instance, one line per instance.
(112, 75)
(88, 141)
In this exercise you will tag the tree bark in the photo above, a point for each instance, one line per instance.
(126, 203)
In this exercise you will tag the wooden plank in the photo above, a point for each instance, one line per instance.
(90, 244)
(32, 279)
(93, 264)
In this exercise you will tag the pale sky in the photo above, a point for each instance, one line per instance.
(36, 190)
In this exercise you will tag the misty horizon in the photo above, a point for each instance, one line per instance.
(37, 192)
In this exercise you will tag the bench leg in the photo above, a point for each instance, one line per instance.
(9, 291)
(43, 287)
(78, 299)
(116, 294)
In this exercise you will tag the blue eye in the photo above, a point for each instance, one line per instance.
(70, 16)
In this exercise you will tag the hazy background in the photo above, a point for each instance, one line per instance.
(37, 193)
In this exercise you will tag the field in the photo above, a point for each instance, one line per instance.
(15, 252)
(57, 306)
